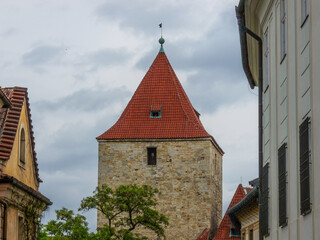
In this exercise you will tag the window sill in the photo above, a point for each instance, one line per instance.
(283, 225)
(22, 165)
(306, 212)
(282, 59)
(304, 21)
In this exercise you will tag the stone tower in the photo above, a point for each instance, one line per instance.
(159, 140)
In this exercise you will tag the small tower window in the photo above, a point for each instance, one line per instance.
(152, 156)
(22, 149)
(155, 111)
(155, 114)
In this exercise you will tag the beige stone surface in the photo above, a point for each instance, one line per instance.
(188, 173)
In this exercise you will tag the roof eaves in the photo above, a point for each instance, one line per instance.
(5, 99)
(253, 194)
(4, 178)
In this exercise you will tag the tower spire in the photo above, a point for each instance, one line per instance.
(161, 40)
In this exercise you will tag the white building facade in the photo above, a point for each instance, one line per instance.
(289, 31)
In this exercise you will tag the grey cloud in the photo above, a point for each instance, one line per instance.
(208, 91)
(74, 142)
(41, 55)
(220, 51)
(85, 100)
(105, 58)
(142, 16)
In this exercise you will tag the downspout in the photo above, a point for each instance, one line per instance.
(243, 30)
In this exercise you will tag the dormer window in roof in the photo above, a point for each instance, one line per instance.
(155, 111)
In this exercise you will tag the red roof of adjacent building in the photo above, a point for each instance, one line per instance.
(204, 235)
(223, 231)
(159, 90)
(9, 121)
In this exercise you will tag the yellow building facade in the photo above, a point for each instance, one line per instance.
(21, 203)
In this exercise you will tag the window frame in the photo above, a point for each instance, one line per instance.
(282, 185)
(22, 147)
(304, 166)
(150, 151)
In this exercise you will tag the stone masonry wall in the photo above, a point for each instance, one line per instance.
(188, 173)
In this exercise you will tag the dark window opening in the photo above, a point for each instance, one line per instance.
(22, 147)
(251, 234)
(305, 201)
(155, 114)
(152, 156)
(282, 188)
(21, 228)
(155, 111)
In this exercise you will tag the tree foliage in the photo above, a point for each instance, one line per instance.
(127, 208)
(68, 226)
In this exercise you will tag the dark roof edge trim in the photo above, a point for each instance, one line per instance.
(5, 99)
(240, 13)
(253, 194)
(24, 187)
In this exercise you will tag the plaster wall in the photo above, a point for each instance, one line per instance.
(12, 225)
(188, 173)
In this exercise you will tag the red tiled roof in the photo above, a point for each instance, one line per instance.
(223, 232)
(9, 120)
(204, 235)
(160, 89)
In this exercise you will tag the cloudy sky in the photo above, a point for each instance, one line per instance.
(82, 60)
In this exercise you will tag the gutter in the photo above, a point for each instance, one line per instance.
(243, 31)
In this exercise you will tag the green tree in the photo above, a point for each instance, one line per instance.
(68, 226)
(127, 208)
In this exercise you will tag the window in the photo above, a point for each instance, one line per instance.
(264, 217)
(251, 234)
(2, 219)
(266, 58)
(152, 156)
(304, 11)
(22, 147)
(283, 28)
(20, 228)
(155, 114)
(304, 133)
(155, 110)
(282, 187)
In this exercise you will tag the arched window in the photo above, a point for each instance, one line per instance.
(22, 147)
